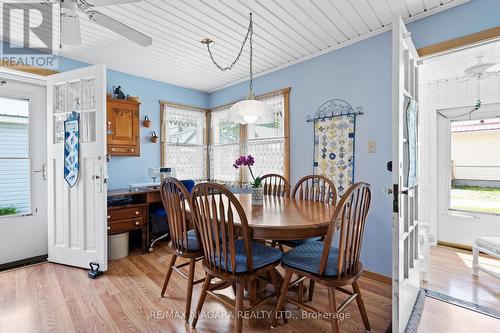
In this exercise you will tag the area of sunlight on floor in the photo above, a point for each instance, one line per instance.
(488, 262)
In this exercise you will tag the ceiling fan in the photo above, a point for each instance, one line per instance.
(70, 24)
(478, 71)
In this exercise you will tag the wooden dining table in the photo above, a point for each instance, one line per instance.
(283, 218)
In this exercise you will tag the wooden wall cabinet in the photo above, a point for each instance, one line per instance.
(122, 127)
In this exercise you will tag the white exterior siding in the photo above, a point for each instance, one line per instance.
(476, 155)
(14, 164)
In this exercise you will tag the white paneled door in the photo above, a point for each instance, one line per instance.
(77, 232)
(405, 225)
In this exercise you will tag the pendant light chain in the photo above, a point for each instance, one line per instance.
(248, 36)
(250, 29)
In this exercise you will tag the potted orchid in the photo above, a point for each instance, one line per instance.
(256, 184)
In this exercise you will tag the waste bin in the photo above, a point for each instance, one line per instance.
(118, 246)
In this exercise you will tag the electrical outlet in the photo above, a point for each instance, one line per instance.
(372, 145)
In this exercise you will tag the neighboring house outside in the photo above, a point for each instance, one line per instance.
(14, 155)
(475, 153)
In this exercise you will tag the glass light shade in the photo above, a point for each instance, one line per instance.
(251, 111)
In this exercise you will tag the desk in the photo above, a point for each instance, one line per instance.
(133, 216)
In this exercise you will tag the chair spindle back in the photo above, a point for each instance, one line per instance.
(315, 188)
(276, 185)
(349, 220)
(175, 198)
(215, 209)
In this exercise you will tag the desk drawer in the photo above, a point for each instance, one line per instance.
(125, 225)
(123, 151)
(124, 213)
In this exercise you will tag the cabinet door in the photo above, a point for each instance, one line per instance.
(123, 124)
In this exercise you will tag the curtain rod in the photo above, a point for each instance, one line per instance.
(182, 106)
(336, 115)
(269, 94)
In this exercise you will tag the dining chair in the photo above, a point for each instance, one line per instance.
(276, 185)
(160, 215)
(229, 255)
(313, 188)
(332, 266)
(183, 241)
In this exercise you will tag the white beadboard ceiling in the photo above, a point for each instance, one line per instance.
(285, 32)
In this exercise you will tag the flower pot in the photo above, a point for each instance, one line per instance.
(257, 195)
(154, 137)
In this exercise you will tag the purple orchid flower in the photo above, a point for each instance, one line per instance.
(248, 161)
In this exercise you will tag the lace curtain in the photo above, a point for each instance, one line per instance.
(182, 141)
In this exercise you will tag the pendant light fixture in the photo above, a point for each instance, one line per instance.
(250, 110)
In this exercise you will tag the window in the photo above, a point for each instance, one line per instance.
(268, 143)
(475, 165)
(224, 146)
(14, 157)
(183, 140)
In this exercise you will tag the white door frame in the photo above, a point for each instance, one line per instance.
(24, 236)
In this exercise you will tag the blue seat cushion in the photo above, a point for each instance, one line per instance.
(307, 257)
(188, 183)
(262, 255)
(297, 242)
(192, 240)
(160, 211)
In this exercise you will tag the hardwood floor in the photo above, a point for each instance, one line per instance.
(57, 298)
(441, 317)
(451, 274)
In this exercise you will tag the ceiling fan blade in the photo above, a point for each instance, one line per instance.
(42, 2)
(70, 32)
(120, 28)
(102, 3)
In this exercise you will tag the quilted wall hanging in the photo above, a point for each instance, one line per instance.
(334, 142)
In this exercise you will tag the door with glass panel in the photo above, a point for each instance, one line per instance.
(77, 233)
(405, 225)
(23, 214)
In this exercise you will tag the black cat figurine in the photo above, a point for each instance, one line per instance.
(118, 93)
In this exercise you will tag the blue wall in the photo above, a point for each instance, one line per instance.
(361, 74)
(125, 170)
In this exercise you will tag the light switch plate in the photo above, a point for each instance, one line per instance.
(372, 146)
